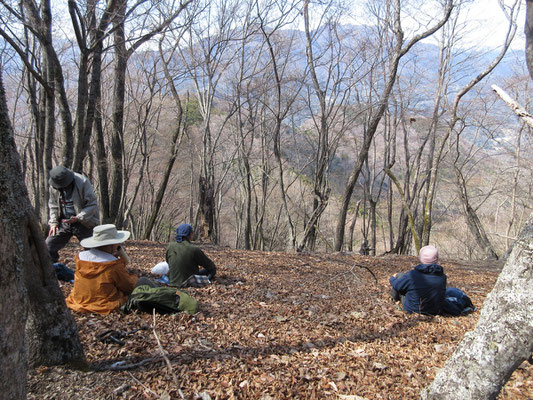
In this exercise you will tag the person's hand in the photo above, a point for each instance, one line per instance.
(53, 230)
(71, 220)
(121, 253)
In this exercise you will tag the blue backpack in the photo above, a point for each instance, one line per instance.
(456, 302)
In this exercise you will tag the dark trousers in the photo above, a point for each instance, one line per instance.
(145, 281)
(63, 235)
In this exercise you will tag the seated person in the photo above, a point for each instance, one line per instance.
(184, 260)
(422, 289)
(101, 282)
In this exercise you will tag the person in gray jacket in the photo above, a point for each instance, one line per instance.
(73, 209)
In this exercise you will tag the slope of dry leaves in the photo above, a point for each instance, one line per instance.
(275, 326)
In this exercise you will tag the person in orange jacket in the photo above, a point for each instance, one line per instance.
(101, 281)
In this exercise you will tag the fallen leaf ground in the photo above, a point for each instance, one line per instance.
(275, 326)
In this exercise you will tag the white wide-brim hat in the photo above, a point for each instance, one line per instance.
(104, 235)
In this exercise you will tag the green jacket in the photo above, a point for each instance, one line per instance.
(184, 260)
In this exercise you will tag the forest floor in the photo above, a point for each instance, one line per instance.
(275, 326)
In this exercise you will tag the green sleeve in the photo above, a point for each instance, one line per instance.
(205, 262)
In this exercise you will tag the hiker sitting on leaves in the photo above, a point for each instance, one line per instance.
(101, 281)
(422, 289)
(184, 260)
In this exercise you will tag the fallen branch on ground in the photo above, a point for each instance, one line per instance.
(169, 365)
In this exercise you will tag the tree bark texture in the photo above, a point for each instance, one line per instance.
(528, 30)
(117, 137)
(51, 335)
(503, 337)
(207, 207)
(51, 332)
(12, 260)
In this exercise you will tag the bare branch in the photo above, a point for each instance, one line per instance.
(514, 106)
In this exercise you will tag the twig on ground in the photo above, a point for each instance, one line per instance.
(356, 265)
(120, 366)
(368, 269)
(169, 365)
(146, 389)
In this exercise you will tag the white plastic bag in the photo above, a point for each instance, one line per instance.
(160, 268)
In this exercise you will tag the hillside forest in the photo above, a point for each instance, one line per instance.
(270, 125)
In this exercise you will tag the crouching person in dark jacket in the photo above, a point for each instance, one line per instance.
(421, 290)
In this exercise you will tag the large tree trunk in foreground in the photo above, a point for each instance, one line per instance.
(503, 337)
(51, 332)
(12, 258)
(31, 303)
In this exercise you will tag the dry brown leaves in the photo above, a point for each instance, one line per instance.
(275, 326)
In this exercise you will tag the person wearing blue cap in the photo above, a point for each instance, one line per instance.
(185, 259)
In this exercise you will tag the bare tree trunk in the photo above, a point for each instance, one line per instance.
(38, 133)
(397, 53)
(14, 244)
(472, 220)
(248, 207)
(407, 209)
(516, 175)
(176, 139)
(205, 60)
(117, 136)
(528, 30)
(402, 240)
(41, 20)
(177, 136)
(206, 197)
(474, 224)
(321, 188)
(434, 159)
(280, 112)
(89, 93)
(47, 141)
(38, 325)
(352, 226)
(102, 167)
(51, 332)
(259, 239)
(282, 186)
(373, 237)
(502, 339)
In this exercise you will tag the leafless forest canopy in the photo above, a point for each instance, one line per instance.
(276, 125)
